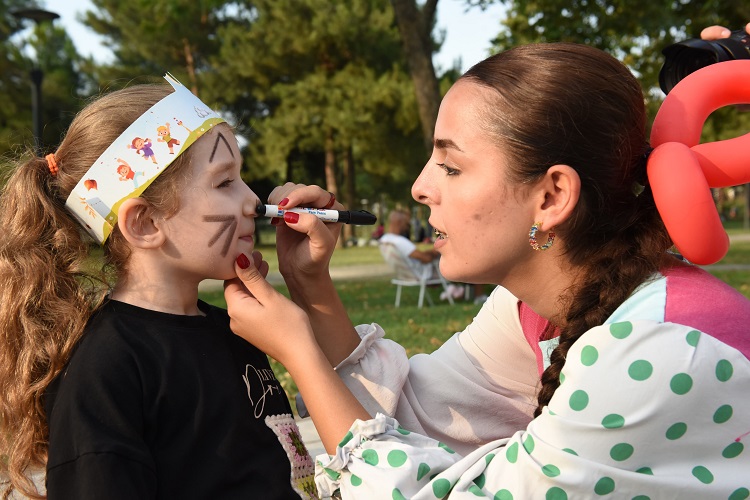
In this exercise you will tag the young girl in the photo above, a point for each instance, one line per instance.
(123, 382)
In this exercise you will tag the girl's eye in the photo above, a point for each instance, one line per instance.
(448, 170)
(226, 183)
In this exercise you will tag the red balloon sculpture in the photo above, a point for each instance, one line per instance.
(681, 171)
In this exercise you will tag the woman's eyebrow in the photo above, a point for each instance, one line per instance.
(447, 144)
(220, 137)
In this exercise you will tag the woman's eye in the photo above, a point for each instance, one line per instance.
(226, 183)
(448, 170)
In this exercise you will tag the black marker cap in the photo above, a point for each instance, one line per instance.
(358, 217)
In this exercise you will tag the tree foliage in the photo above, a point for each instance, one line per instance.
(66, 80)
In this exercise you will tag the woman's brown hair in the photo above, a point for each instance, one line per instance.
(50, 282)
(561, 103)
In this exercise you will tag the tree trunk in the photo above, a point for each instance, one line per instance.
(350, 193)
(330, 170)
(415, 27)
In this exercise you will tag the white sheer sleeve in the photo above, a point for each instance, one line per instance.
(460, 394)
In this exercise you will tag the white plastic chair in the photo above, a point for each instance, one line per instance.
(410, 274)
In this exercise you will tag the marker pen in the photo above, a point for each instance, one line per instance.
(356, 217)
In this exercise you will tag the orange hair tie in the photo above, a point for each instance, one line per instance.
(51, 163)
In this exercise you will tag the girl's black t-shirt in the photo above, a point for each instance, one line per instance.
(155, 405)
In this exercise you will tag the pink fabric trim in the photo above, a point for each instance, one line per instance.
(696, 298)
(533, 327)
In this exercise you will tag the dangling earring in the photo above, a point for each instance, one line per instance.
(532, 238)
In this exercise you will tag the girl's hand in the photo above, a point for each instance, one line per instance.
(264, 317)
(304, 247)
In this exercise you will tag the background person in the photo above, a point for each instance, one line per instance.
(549, 137)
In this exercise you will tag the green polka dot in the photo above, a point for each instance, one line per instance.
(562, 378)
(355, 480)
(441, 487)
(332, 473)
(476, 490)
(489, 458)
(621, 330)
(550, 470)
(346, 439)
(529, 444)
(403, 431)
(722, 414)
(589, 355)
(503, 495)
(396, 458)
(397, 495)
(422, 471)
(676, 431)
(568, 450)
(724, 370)
(681, 384)
(703, 475)
(733, 450)
(556, 493)
(692, 338)
(641, 497)
(640, 370)
(621, 451)
(370, 457)
(579, 400)
(604, 486)
(446, 448)
(645, 470)
(613, 421)
(739, 494)
(512, 453)
(480, 480)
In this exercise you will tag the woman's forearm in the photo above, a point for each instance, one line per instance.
(331, 325)
(332, 407)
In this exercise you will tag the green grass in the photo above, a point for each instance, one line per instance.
(424, 330)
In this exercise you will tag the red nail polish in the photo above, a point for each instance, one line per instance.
(243, 261)
(275, 221)
(291, 217)
(283, 202)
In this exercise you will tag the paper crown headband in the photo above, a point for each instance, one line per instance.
(135, 159)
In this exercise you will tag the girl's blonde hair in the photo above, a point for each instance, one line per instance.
(50, 280)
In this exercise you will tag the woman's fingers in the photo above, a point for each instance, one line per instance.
(715, 32)
(302, 195)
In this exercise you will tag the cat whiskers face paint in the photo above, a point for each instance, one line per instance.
(228, 225)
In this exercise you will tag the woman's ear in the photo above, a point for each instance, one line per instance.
(137, 226)
(559, 192)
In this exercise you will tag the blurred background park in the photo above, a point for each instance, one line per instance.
(341, 93)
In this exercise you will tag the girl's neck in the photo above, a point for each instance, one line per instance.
(158, 289)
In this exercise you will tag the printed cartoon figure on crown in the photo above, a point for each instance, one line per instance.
(164, 135)
(143, 147)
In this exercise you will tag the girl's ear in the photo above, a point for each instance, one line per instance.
(559, 192)
(137, 226)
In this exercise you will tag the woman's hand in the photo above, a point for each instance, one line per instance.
(264, 317)
(275, 325)
(304, 247)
